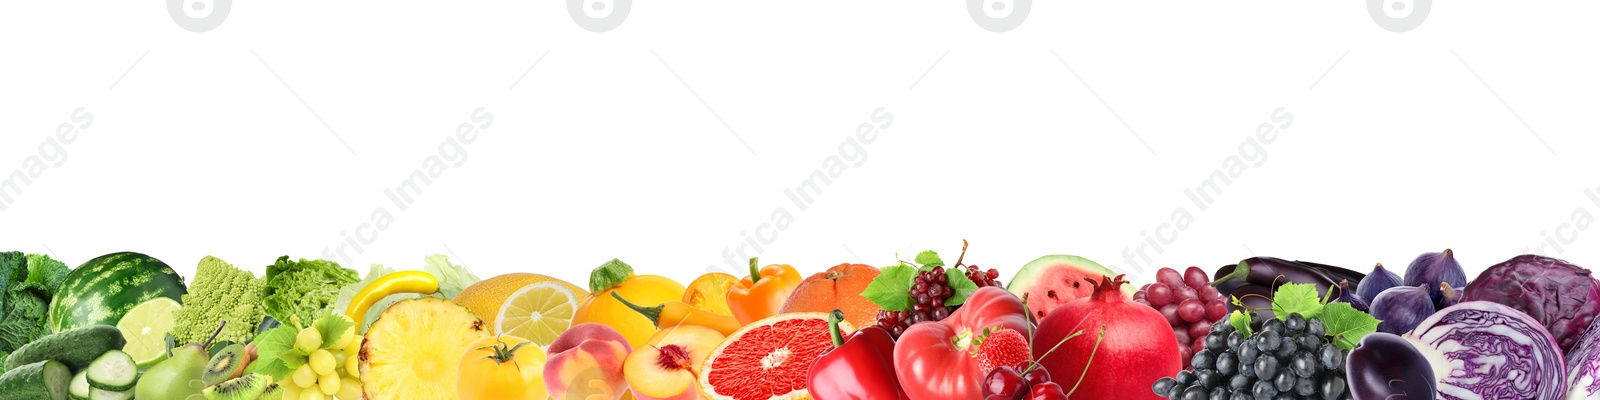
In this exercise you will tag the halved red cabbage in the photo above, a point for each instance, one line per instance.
(1583, 367)
(1485, 350)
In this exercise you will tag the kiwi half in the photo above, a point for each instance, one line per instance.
(273, 392)
(248, 387)
(228, 363)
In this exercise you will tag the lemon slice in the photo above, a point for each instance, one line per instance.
(145, 327)
(538, 312)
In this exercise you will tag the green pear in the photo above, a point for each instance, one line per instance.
(177, 378)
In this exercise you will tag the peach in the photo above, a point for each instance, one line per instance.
(585, 363)
(668, 366)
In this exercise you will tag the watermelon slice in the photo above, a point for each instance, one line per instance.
(1051, 281)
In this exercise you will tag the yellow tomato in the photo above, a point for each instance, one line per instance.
(710, 292)
(496, 368)
(601, 307)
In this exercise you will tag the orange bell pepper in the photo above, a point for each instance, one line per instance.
(762, 294)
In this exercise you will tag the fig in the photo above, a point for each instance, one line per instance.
(1349, 296)
(1452, 295)
(1401, 308)
(1434, 270)
(1386, 366)
(1376, 282)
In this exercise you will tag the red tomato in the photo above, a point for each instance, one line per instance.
(934, 359)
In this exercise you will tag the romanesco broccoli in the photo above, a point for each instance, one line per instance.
(219, 293)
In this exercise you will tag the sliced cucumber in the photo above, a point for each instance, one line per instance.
(98, 394)
(40, 380)
(79, 389)
(114, 371)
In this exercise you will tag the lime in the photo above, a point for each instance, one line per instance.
(146, 327)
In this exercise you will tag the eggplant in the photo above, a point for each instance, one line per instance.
(1257, 297)
(1226, 287)
(1337, 273)
(1274, 272)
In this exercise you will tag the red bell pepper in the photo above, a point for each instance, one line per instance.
(938, 355)
(861, 368)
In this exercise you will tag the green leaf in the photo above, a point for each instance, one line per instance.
(1241, 322)
(1347, 325)
(271, 346)
(331, 327)
(1296, 298)
(962, 286)
(891, 290)
(929, 259)
(274, 368)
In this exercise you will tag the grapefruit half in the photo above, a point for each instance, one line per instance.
(768, 359)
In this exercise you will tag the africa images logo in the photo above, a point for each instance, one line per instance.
(1399, 15)
(999, 15)
(599, 15)
(199, 15)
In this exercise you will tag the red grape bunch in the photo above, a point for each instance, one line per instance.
(1189, 303)
(928, 291)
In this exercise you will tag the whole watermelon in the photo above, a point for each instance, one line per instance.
(103, 289)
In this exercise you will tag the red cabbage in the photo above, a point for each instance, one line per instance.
(1561, 296)
(1583, 367)
(1486, 350)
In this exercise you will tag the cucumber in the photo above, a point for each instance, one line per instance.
(76, 348)
(79, 389)
(114, 371)
(97, 394)
(40, 380)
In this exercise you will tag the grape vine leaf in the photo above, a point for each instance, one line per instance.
(929, 259)
(270, 349)
(332, 328)
(1296, 298)
(1241, 322)
(961, 287)
(891, 290)
(1347, 325)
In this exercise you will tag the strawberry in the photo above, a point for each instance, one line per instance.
(1006, 347)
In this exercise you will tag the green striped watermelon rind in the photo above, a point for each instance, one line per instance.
(105, 288)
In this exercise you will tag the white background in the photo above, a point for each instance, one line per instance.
(279, 131)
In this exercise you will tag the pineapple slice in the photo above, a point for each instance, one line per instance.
(414, 349)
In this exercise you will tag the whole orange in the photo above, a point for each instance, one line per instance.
(839, 288)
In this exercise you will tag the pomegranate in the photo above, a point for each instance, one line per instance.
(1138, 346)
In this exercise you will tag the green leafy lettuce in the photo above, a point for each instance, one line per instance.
(452, 280)
(303, 289)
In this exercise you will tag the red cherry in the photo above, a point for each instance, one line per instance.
(1036, 377)
(1047, 391)
(1005, 383)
